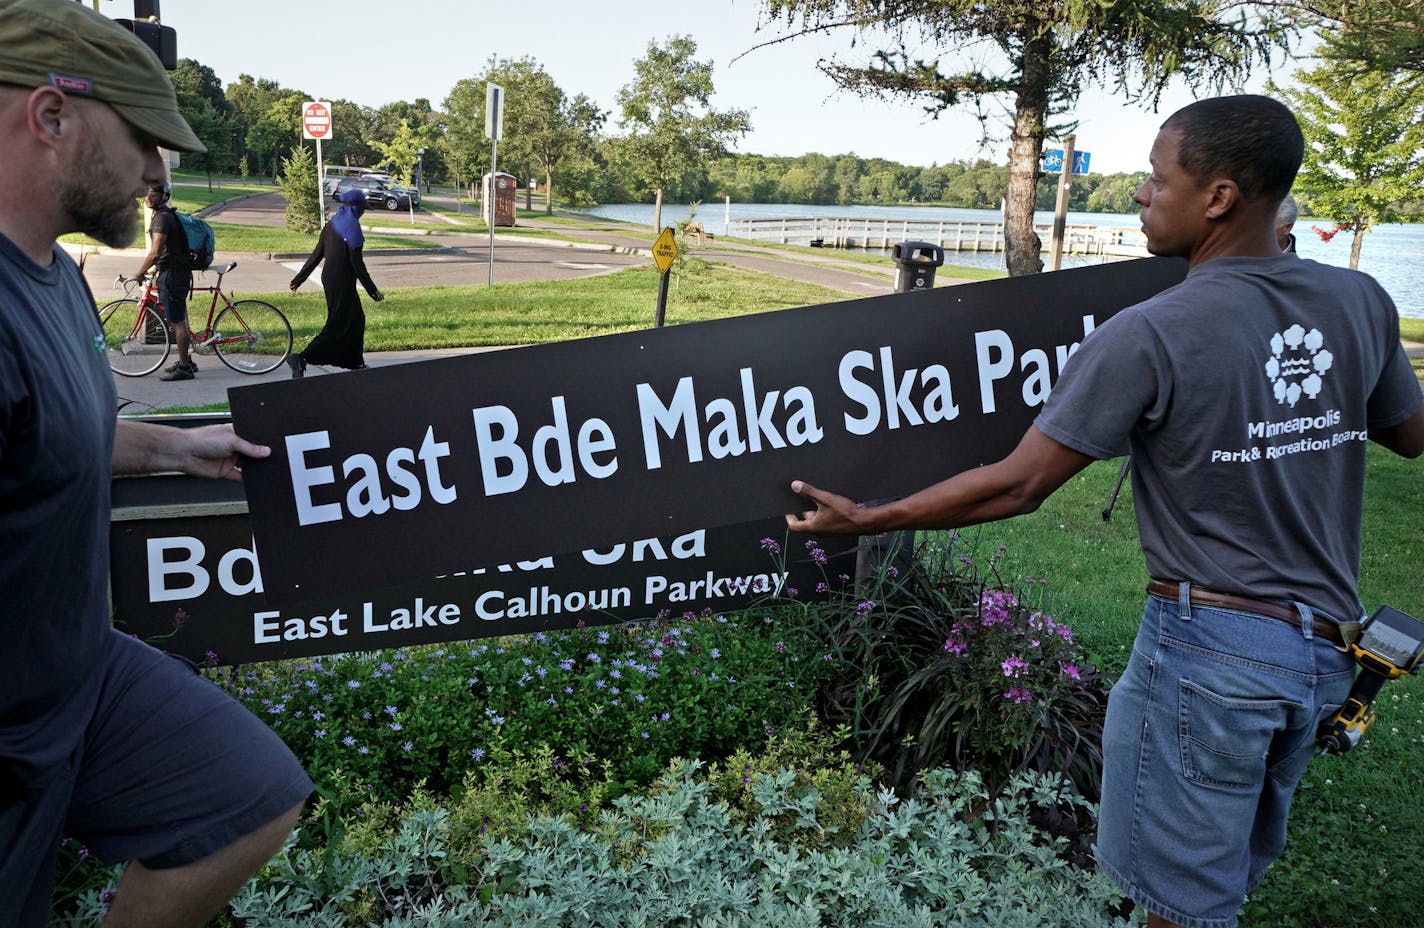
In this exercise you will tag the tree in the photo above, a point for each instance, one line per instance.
(1383, 35)
(299, 186)
(1364, 136)
(463, 142)
(1048, 50)
(671, 125)
(402, 153)
(208, 112)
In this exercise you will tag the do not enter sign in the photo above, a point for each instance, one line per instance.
(316, 120)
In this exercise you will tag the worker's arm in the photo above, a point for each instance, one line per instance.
(1017, 484)
(1405, 439)
(212, 451)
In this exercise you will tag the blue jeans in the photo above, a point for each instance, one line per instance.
(1207, 734)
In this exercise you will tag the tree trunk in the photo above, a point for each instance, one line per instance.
(658, 212)
(1022, 248)
(548, 192)
(1357, 243)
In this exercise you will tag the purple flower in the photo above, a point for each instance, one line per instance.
(770, 546)
(781, 647)
(955, 646)
(1014, 666)
(348, 741)
(353, 684)
(1018, 695)
(391, 711)
(478, 754)
(1071, 672)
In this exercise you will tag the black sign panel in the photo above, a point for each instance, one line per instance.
(439, 466)
(193, 586)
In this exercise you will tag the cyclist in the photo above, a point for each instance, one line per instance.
(168, 255)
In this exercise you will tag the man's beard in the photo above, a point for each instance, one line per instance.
(99, 203)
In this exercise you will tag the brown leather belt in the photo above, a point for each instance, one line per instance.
(1169, 589)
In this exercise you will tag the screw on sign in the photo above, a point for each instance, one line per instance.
(316, 120)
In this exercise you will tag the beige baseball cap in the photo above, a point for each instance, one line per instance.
(63, 44)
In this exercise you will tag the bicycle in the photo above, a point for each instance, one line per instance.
(258, 336)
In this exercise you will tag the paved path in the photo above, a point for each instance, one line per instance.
(458, 259)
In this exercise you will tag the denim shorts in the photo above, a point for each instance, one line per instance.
(170, 769)
(1207, 734)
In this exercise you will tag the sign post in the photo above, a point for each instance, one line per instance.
(494, 128)
(664, 254)
(316, 124)
(1066, 162)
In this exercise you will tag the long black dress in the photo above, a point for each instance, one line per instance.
(340, 341)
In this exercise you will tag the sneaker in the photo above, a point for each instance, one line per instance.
(298, 364)
(179, 372)
(191, 367)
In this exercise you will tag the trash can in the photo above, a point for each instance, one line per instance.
(915, 264)
(499, 195)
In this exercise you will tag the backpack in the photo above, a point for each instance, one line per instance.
(200, 241)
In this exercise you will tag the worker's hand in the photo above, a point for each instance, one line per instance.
(833, 515)
(216, 451)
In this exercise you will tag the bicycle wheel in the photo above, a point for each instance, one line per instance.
(253, 337)
(135, 337)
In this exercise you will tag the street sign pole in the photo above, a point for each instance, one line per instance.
(494, 128)
(316, 125)
(1060, 208)
(320, 182)
(664, 254)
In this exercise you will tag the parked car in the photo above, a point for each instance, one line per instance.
(378, 192)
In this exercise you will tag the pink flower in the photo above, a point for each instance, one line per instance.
(955, 646)
(1071, 672)
(1019, 695)
(1014, 666)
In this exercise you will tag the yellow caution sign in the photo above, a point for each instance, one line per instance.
(665, 250)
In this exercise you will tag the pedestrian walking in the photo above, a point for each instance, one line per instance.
(341, 341)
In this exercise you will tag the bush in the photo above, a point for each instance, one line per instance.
(948, 853)
(626, 699)
(941, 665)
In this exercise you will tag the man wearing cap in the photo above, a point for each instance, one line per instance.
(102, 738)
(168, 256)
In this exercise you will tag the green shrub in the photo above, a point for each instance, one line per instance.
(626, 698)
(948, 853)
(944, 664)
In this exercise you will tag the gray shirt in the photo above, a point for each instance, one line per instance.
(56, 456)
(1245, 393)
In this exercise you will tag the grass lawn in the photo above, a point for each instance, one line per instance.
(551, 311)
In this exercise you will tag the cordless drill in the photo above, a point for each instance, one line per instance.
(1391, 644)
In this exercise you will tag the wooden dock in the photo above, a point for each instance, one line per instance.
(952, 236)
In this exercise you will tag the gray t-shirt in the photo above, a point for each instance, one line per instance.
(1246, 393)
(57, 404)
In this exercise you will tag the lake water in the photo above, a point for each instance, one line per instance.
(1393, 254)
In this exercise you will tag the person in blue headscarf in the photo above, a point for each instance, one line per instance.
(340, 342)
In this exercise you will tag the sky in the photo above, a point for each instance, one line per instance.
(376, 53)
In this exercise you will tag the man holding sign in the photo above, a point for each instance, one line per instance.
(123, 748)
(1245, 395)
